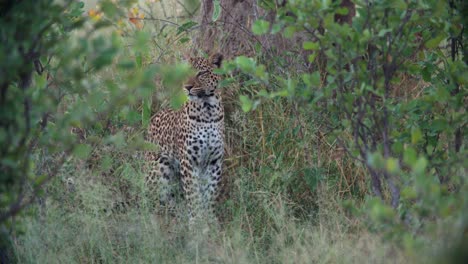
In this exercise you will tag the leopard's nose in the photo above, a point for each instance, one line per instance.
(188, 87)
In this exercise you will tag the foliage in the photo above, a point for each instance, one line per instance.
(411, 142)
(350, 149)
(66, 83)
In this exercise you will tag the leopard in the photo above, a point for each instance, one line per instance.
(191, 144)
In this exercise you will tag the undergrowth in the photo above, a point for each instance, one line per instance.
(291, 193)
(278, 207)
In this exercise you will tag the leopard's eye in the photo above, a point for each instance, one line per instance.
(200, 73)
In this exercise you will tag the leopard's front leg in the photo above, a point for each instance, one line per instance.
(212, 188)
(161, 178)
(191, 186)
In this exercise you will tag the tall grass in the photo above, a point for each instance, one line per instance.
(282, 205)
(285, 185)
(86, 233)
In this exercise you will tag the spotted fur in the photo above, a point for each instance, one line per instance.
(192, 143)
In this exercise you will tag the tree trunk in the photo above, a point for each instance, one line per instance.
(231, 33)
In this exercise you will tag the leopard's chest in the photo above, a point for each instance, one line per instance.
(204, 143)
(201, 137)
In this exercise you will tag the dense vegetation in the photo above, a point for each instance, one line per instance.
(348, 144)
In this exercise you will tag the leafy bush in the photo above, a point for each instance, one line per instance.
(67, 82)
(410, 141)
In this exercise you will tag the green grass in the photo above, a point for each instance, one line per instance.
(87, 234)
(271, 212)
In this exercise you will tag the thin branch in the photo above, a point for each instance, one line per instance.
(186, 9)
(19, 205)
(154, 19)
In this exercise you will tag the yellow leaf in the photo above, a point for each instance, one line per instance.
(95, 15)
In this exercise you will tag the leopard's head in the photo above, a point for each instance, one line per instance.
(205, 82)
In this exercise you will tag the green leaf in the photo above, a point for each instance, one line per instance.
(246, 103)
(246, 64)
(342, 11)
(375, 160)
(397, 147)
(312, 177)
(126, 64)
(398, 4)
(260, 27)
(329, 20)
(276, 28)
(382, 32)
(226, 82)
(434, 43)
(109, 8)
(141, 41)
(174, 75)
(82, 151)
(186, 26)
(183, 40)
(216, 10)
(106, 163)
(442, 94)
(312, 79)
(408, 193)
(104, 58)
(102, 24)
(40, 179)
(146, 112)
(392, 165)
(289, 31)
(409, 156)
(439, 125)
(312, 57)
(408, 241)
(379, 211)
(132, 117)
(260, 72)
(41, 80)
(416, 135)
(309, 45)
(118, 140)
(426, 74)
(420, 165)
(139, 60)
(178, 100)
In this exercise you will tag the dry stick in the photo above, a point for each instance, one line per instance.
(178, 38)
(155, 19)
(389, 70)
(361, 131)
(454, 50)
(19, 205)
(163, 8)
(186, 9)
(244, 29)
(25, 81)
(260, 116)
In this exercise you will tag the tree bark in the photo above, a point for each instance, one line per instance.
(231, 33)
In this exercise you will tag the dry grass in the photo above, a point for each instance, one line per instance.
(85, 233)
(269, 215)
(285, 185)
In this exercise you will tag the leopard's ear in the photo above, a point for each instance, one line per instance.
(216, 59)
